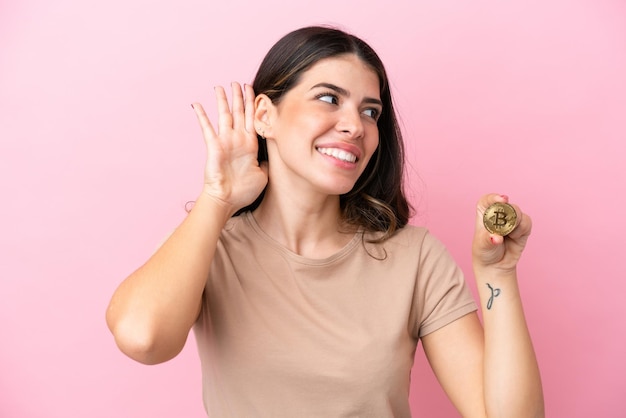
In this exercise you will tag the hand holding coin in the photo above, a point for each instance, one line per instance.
(502, 230)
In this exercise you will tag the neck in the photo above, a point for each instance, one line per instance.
(310, 227)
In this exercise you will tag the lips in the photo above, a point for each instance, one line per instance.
(339, 154)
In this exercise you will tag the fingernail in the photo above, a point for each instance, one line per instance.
(505, 197)
(493, 240)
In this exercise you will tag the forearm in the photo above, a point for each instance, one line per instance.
(512, 381)
(152, 311)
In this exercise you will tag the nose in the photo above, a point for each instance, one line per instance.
(350, 123)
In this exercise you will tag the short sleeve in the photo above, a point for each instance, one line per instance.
(441, 293)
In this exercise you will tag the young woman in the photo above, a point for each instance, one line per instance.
(306, 288)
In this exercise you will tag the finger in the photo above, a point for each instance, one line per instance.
(205, 124)
(249, 109)
(238, 110)
(225, 118)
(523, 224)
(483, 203)
(489, 199)
(485, 238)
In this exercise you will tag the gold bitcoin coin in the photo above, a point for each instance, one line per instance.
(500, 218)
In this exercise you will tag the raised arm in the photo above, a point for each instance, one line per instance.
(512, 380)
(152, 311)
(491, 373)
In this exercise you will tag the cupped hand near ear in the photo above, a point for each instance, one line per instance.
(232, 174)
(492, 250)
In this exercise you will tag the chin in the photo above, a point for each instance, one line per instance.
(336, 185)
(339, 189)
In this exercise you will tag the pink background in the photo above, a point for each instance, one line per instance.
(99, 151)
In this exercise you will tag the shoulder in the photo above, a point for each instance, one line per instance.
(409, 242)
(237, 226)
(238, 234)
(408, 236)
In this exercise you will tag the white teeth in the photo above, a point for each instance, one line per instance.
(338, 154)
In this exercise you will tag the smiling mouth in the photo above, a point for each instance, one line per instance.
(338, 154)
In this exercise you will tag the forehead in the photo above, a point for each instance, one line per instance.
(347, 70)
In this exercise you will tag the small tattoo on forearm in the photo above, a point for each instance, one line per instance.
(494, 294)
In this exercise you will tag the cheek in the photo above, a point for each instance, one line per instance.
(373, 140)
(296, 122)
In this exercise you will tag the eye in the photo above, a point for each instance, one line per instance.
(328, 98)
(372, 113)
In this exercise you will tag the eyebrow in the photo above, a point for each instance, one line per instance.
(344, 92)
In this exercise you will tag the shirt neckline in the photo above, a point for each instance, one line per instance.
(356, 239)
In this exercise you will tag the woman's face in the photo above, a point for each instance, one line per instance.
(324, 130)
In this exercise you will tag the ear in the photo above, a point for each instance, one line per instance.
(264, 111)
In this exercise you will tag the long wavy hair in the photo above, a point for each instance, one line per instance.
(377, 201)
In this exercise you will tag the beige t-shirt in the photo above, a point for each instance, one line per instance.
(281, 335)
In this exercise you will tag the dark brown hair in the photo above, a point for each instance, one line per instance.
(377, 201)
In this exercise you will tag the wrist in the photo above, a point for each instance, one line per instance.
(484, 274)
(217, 208)
(496, 288)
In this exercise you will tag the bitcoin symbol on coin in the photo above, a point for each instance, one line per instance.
(500, 218)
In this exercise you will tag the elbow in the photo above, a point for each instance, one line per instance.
(540, 411)
(537, 408)
(140, 341)
(530, 409)
(138, 347)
